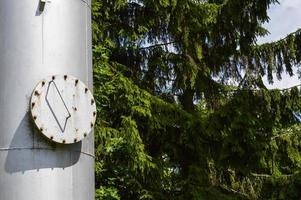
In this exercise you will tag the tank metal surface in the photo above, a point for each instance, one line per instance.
(38, 39)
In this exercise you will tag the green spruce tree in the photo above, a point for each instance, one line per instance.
(170, 126)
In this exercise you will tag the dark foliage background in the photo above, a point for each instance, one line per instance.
(170, 125)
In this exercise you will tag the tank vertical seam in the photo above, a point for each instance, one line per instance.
(72, 186)
(43, 42)
(86, 48)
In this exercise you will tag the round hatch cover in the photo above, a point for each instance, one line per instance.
(63, 109)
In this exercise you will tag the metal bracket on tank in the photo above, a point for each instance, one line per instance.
(42, 4)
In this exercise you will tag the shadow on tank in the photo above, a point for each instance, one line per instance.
(30, 150)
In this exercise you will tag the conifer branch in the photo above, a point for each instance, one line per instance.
(281, 39)
(158, 45)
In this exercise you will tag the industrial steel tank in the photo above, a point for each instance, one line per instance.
(39, 38)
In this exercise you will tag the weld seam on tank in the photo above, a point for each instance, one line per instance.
(45, 149)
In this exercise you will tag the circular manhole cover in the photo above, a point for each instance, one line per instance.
(63, 109)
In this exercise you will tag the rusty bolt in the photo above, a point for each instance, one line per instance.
(75, 108)
(33, 104)
(92, 125)
(43, 83)
(34, 117)
(94, 113)
(65, 77)
(53, 77)
(41, 129)
(85, 134)
(64, 141)
(36, 93)
(51, 137)
(75, 140)
(76, 82)
(86, 90)
(92, 101)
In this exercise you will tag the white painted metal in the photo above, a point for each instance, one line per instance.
(63, 109)
(36, 43)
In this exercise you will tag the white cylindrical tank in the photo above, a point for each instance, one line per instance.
(39, 39)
